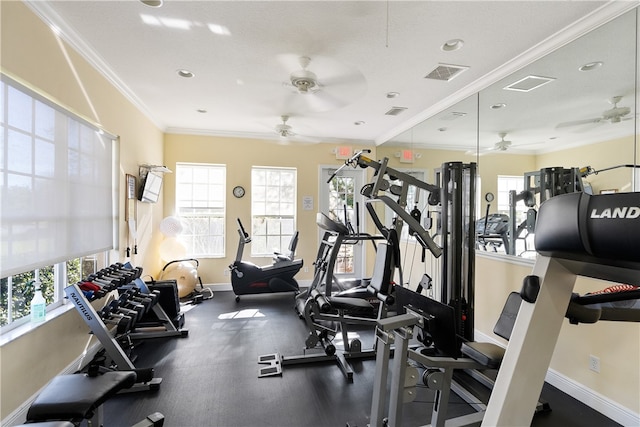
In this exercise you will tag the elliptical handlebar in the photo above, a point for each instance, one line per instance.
(243, 234)
(351, 161)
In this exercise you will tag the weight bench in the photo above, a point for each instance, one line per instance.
(68, 400)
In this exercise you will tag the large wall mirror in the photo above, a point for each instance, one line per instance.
(566, 122)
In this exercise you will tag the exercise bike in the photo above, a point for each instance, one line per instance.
(248, 278)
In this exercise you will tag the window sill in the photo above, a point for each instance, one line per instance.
(26, 326)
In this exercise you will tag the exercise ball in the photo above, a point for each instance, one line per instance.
(171, 226)
(171, 249)
(185, 274)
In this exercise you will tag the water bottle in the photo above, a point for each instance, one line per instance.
(38, 305)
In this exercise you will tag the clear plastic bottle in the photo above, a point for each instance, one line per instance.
(38, 305)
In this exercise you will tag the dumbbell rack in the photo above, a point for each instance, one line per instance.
(104, 335)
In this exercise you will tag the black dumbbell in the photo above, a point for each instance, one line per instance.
(125, 301)
(135, 312)
(122, 322)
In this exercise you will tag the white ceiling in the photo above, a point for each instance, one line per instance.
(359, 50)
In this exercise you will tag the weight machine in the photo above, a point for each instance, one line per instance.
(546, 183)
(453, 203)
(578, 235)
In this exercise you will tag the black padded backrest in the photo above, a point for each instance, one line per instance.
(504, 325)
(440, 320)
(381, 278)
(293, 244)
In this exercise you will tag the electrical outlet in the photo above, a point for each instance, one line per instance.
(306, 269)
(594, 363)
(225, 272)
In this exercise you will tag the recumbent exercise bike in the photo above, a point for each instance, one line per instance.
(248, 278)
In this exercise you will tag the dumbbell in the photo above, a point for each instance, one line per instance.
(117, 273)
(106, 284)
(125, 302)
(131, 311)
(136, 294)
(113, 278)
(132, 273)
(137, 271)
(96, 290)
(122, 322)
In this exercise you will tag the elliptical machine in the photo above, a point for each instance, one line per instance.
(248, 278)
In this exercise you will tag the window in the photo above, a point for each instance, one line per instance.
(16, 291)
(506, 184)
(273, 209)
(58, 183)
(342, 195)
(200, 204)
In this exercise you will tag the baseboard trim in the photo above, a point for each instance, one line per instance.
(19, 416)
(589, 397)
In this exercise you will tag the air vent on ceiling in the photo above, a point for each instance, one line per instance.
(453, 115)
(446, 72)
(529, 83)
(394, 111)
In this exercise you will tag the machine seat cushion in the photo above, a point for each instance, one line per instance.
(342, 303)
(76, 396)
(485, 353)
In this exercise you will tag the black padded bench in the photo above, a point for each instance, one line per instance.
(70, 399)
(489, 354)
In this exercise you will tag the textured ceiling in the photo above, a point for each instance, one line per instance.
(242, 54)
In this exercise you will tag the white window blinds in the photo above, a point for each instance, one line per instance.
(56, 180)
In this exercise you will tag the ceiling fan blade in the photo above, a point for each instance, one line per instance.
(579, 122)
(323, 101)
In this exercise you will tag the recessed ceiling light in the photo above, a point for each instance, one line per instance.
(152, 3)
(393, 94)
(358, 123)
(201, 110)
(591, 66)
(185, 73)
(451, 45)
(498, 106)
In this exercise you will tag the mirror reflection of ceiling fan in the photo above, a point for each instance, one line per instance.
(287, 135)
(500, 146)
(612, 115)
(331, 84)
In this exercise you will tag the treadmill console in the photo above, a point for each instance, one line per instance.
(494, 224)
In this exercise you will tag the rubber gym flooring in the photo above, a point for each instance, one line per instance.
(211, 378)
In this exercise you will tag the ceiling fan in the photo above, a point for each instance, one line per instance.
(287, 135)
(331, 84)
(500, 146)
(612, 115)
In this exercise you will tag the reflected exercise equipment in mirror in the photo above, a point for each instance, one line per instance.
(566, 122)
